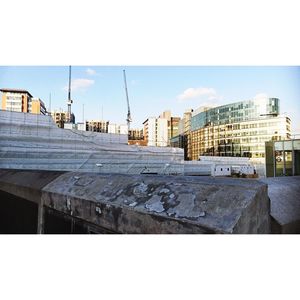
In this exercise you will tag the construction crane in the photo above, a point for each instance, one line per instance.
(128, 112)
(70, 119)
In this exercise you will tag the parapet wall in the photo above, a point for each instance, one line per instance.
(146, 203)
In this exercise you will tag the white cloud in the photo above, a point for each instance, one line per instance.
(91, 72)
(200, 93)
(80, 84)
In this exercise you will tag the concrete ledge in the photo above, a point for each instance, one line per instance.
(161, 204)
(148, 203)
(26, 184)
(284, 193)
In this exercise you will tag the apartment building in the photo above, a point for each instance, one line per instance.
(21, 101)
(59, 118)
(117, 129)
(136, 134)
(37, 106)
(156, 132)
(159, 131)
(181, 140)
(97, 126)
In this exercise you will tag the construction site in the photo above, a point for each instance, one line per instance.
(65, 180)
(55, 180)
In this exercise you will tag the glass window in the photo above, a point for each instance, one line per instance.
(278, 146)
(288, 163)
(288, 145)
(296, 144)
(279, 163)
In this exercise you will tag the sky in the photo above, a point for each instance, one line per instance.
(154, 89)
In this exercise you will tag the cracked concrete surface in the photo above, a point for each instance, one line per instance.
(147, 203)
(194, 205)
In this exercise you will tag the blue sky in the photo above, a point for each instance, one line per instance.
(153, 89)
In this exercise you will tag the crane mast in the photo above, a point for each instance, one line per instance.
(69, 102)
(128, 108)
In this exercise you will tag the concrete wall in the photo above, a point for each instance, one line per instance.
(284, 193)
(145, 203)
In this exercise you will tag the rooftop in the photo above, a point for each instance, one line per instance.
(5, 90)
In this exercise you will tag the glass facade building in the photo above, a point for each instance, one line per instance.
(237, 129)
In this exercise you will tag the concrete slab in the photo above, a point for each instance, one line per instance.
(146, 203)
(161, 204)
(284, 193)
(26, 184)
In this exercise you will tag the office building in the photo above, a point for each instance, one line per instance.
(173, 124)
(181, 140)
(237, 129)
(173, 127)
